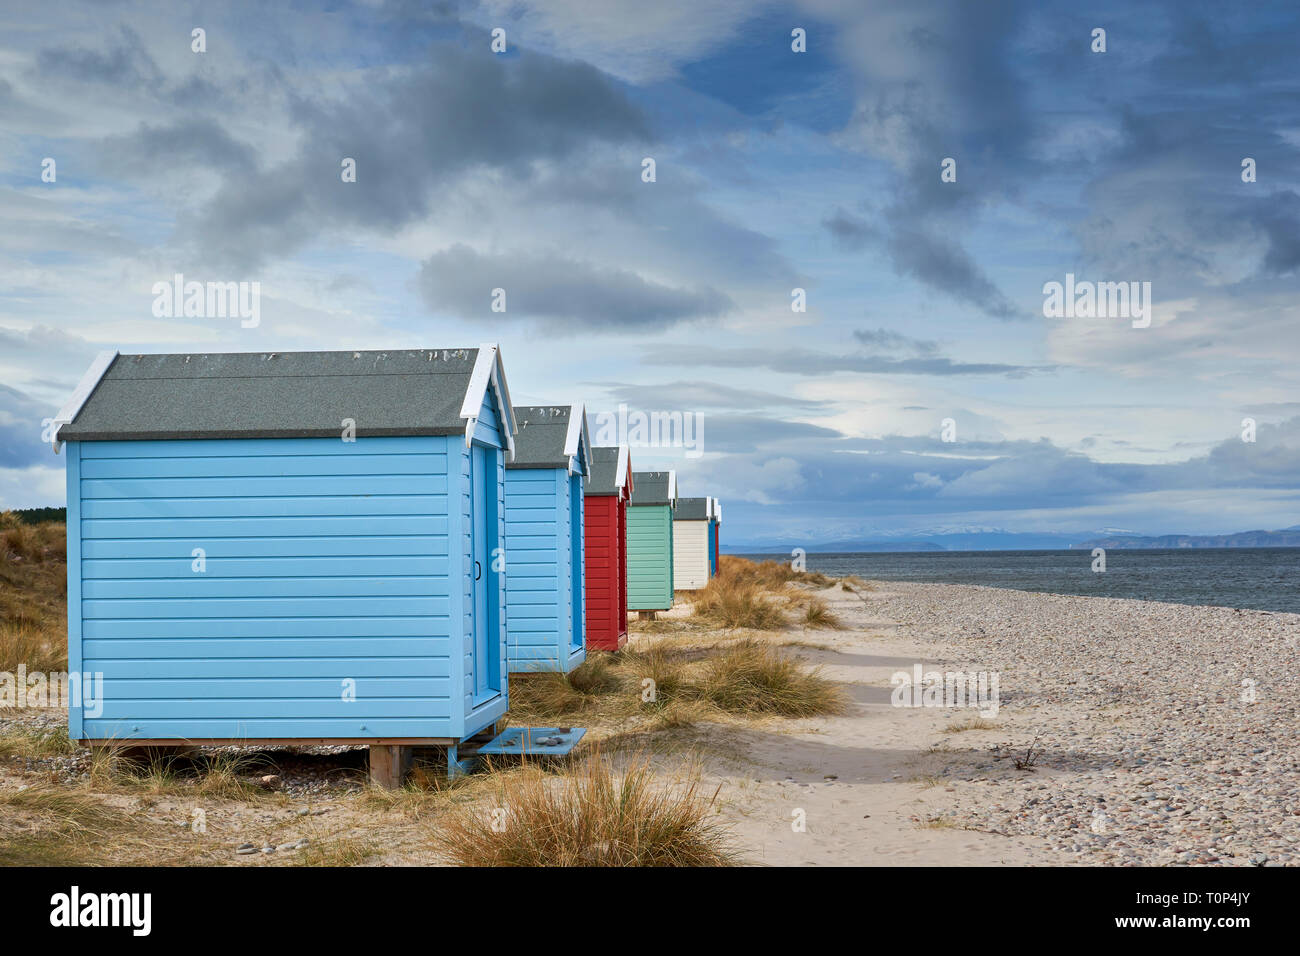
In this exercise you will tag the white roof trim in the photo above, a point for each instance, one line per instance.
(488, 370)
(576, 438)
(717, 511)
(89, 382)
(624, 467)
(672, 488)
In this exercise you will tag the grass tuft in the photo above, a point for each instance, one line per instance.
(590, 816)
(755, 677)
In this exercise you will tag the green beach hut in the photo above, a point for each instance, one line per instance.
(650, 540)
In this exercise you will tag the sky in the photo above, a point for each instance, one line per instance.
(921, 170)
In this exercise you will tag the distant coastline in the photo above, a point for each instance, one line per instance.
(1017, 541)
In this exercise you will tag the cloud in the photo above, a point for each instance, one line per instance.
(412, 133)
(894, 341)
(20, 430)
(944, 265)
(567, 296)
(700, 394)
(808, 362)
(744, 433)
(850, 231)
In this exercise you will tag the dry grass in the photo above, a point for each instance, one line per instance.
(770, 575)
(340, 851)
(590, 816)
(974, 723)
(34, 743)
(728, 603)
(581, 691)
(666, 685)
(813, 612)
(45, 825)
(206, 773)
(748, 594)
(753, 677)
(33, 595)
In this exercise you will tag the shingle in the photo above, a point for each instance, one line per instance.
(604, 471)
(692, 509)
(651, 487)
(277, 395)
(539, 443)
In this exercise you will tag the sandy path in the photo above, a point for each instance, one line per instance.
(884, 788)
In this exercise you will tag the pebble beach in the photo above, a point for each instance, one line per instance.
(1166, 733)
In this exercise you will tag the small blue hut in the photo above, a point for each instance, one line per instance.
(292, 547)
(545, 594)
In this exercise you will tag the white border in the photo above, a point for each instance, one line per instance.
(89, 382)
(489, 370)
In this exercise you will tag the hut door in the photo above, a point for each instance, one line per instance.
(484, 579)
(579, 572)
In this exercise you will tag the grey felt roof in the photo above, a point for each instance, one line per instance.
(692, 509)
(543, 431)
(604, 471)
(651, 487)
(277, 395)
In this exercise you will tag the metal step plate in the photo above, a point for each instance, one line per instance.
(535, 741)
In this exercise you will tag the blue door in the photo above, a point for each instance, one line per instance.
(486, 579)
(579, 575)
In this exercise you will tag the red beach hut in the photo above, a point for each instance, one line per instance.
(605, 536)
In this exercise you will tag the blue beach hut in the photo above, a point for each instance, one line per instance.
(545, 594)
(289, 547)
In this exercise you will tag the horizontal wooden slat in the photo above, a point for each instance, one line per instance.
(264, 466)
(263, 607)
(205, 586)
(325, 689)
(219, 566)
(194, 528)
(326, 506)
(307, 546)
(264, 728)
(202, 649)
(277, 667)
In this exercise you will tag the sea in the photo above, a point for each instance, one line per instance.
(1266, 579)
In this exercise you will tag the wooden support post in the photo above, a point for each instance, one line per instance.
(388, 765)
(646, 615)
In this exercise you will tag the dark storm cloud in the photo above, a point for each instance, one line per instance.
(411, 134)
(959, 96)
(807, 362)
(566, 295)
